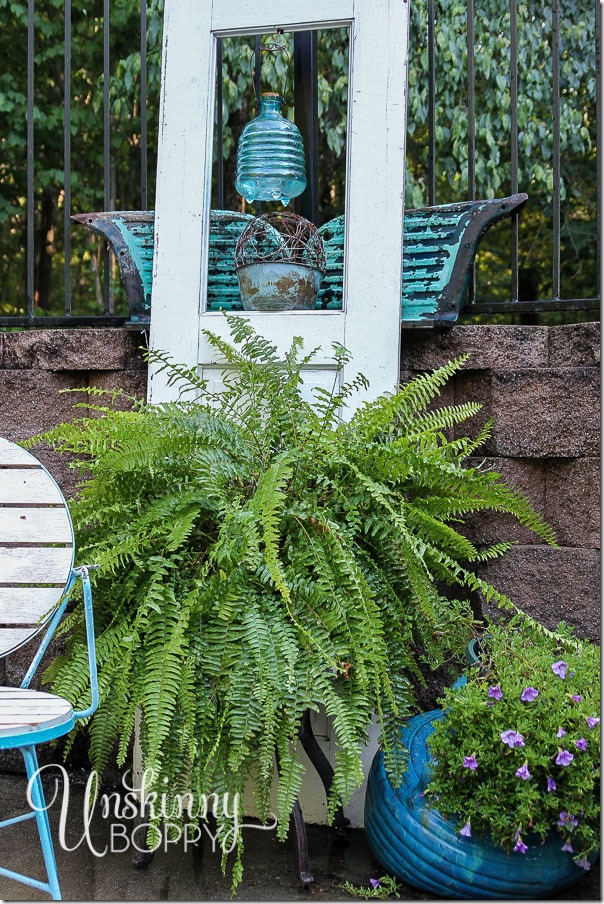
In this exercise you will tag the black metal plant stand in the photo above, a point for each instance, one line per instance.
(324, 770)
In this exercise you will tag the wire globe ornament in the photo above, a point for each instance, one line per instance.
(281, 236)
(280, 262)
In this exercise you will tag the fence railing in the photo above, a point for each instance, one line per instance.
(98, 86)
(557, 302)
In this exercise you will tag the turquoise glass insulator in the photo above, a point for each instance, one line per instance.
(270, 156)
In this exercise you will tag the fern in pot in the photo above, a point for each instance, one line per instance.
(260, 557)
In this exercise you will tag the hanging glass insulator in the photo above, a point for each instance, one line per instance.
(270, 156)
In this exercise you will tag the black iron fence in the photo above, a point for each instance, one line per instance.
(504, 96)
(74, 121)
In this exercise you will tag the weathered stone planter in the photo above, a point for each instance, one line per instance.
(278, 286)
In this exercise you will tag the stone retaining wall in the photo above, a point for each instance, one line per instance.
(35, 365)
(539, 384)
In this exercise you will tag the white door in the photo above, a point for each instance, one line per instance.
(369, 323)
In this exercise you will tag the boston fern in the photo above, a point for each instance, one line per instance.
(260, 557)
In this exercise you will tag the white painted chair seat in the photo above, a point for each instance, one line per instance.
(29, 716)
(36, 579)
(36, 546)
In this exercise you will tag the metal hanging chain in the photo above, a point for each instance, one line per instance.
(272, 47)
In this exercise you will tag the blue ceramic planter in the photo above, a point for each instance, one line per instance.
(421, 848)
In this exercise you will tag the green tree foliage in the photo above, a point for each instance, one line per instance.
(86, 129)
(493, 130)
(493, 134)
(259, 557)
(493, 96)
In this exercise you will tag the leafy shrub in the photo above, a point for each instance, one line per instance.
(518, 753)
(261, 557)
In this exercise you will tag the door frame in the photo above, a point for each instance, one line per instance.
(369, 323)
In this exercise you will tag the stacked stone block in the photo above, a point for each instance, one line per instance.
(541, 387)
(539, 384)
(36, 365)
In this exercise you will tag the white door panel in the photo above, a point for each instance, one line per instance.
(369, 324)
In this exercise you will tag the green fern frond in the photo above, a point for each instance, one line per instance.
(267, 503)
(186, 379)
(260, 558)
(423, 389)
(291, 775)
(444, 418)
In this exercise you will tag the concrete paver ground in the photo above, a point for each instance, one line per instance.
(176, 874)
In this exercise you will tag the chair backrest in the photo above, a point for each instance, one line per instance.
(131, 234)
(439, 247)
(36, 546)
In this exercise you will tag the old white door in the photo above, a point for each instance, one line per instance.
(369, 323)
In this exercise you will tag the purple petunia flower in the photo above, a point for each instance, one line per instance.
(512, 738)
(560, 733)
(466, 831)
(375, 883)
(559, 668)
(523, 772)
(567, 819)
(495, 692)
(583, 862)
(529, 694)
(567, 846)
(520, 847)
(469, 762)
(576, 697)
(592, 722)
(551, 785)
(581, 744)
(564, 758)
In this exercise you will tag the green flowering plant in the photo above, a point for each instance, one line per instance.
(383, 888)
(518, 755)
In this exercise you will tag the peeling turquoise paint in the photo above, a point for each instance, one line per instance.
(439, 247)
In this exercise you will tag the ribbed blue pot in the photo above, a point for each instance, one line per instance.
(270, 157)
(418, 846)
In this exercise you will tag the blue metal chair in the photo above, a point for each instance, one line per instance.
(37, 578)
